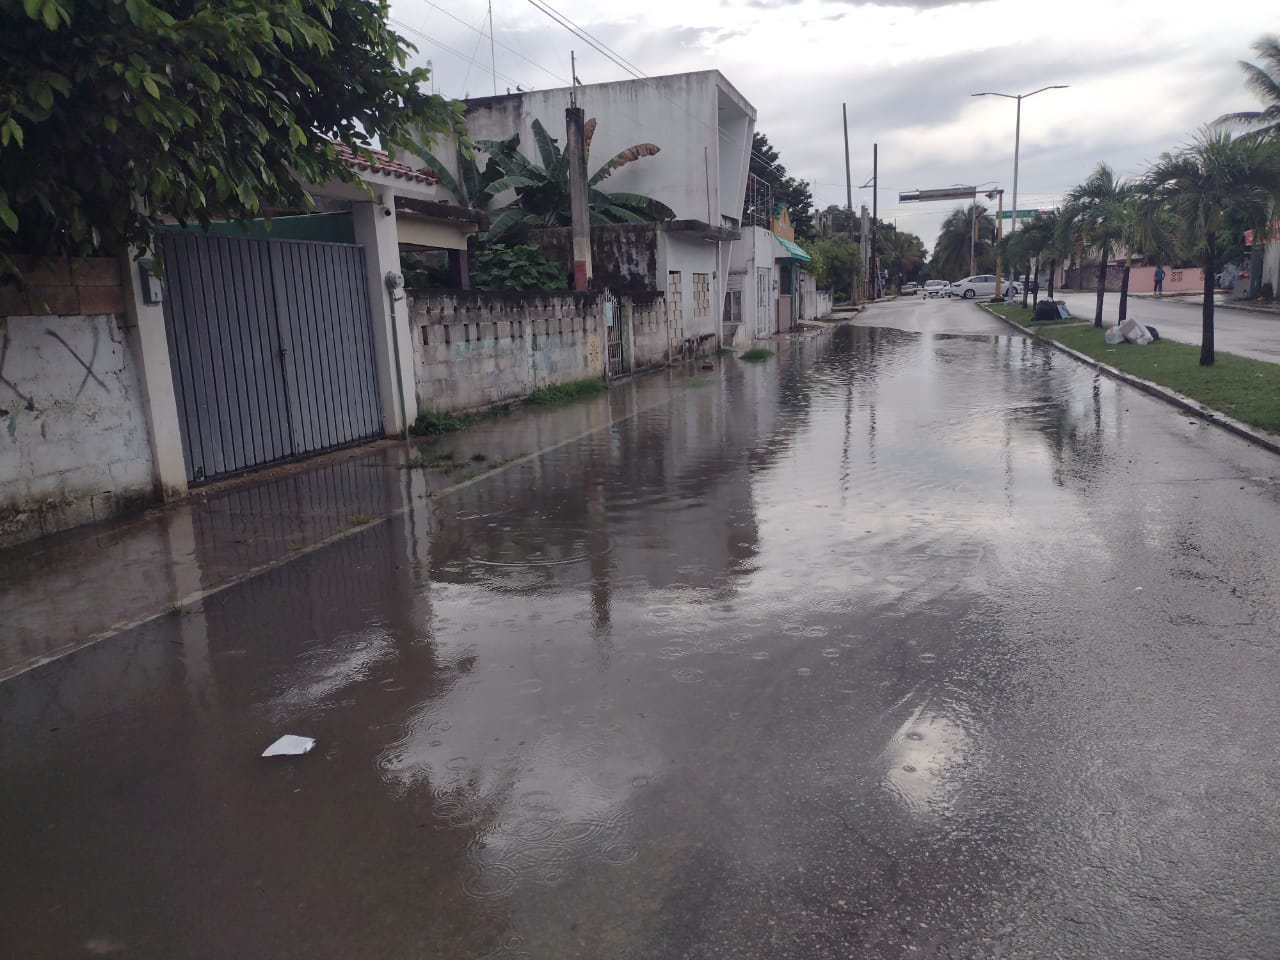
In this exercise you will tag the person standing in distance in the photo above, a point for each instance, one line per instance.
(1159, 281)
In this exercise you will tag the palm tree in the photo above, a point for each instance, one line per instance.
(1264, 81)
(1039, 231)
(1213, 175)
(950, 258)
(1149, 229)
(1093, 219)
(1015, 250)
(900, 252)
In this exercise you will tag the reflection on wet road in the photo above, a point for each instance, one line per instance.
(899, 643)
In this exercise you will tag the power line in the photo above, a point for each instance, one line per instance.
(509, 49)
(581, 35)
(600, 45)
(457, 53)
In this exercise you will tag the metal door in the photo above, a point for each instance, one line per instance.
(271, 346)
(764, 302)
(613, 333)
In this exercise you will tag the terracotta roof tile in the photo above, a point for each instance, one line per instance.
(385, 165)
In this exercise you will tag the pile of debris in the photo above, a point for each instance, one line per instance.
(1131, 331)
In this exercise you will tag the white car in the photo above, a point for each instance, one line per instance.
(909, 290)
(983, 285)
(937, 288)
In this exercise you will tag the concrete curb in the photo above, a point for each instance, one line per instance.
(1244, 305)
(1221, 420)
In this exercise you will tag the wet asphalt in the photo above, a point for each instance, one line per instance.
(915, 640)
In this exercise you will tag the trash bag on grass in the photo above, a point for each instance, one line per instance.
(1134, 332)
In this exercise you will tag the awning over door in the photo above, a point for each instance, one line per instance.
(786, 250)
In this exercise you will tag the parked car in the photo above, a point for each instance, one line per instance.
(937, 288)
(908, 290)
(983, 285)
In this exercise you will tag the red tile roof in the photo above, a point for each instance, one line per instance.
(385, 165)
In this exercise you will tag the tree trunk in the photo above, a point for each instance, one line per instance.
(1206, 312)
(1035, 296)
(1102, 292)
(1255, 270)
(1124, 293)
(1053, 269)
(1026, 282)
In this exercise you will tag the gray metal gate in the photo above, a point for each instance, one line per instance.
(271, 345)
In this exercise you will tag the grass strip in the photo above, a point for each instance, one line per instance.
(756, 355)
(1022, 316)
(1240, 387)
(566, 392)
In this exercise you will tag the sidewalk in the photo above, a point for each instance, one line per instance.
(1219, 302)
(72, 589)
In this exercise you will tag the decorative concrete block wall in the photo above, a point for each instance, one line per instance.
(473, 350)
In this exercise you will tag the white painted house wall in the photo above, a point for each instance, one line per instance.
(703, 128)
(698, 173)
(752, 254)
(74, 441)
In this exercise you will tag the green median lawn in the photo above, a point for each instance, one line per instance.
(1015, 311)
(1248, 390)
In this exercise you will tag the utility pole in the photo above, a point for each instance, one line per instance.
(848, 190)
(493, 60)
(973, 232)
(999, 237)
(579, 207)
(875, 196)
(864, 246)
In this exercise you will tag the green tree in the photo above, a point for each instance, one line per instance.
(1094, 219)
(1263, 80)
(1039, 235)
(901, 253)
(950, 260)
(1216, 175)
(542, 192)
(116, 113)
(787, 191)
(840, 262)
(498, 266)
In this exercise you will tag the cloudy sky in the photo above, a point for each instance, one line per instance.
(1143, 76)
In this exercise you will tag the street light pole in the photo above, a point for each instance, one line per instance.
(1017, 136)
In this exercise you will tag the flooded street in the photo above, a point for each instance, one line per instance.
(900, 643)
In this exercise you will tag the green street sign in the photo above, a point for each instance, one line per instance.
(1022, 214)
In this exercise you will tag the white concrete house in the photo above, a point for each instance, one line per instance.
(703, 127)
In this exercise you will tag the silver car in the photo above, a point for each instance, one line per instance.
(937, 288)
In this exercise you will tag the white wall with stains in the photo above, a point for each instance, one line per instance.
(74, 442)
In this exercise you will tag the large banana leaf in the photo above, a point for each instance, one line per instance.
(432, 163)
(622, 158)
(547, 148)
(654, 209)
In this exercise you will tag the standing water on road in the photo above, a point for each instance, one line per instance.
(896, 643)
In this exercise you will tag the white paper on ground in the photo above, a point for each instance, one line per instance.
(289, 746)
